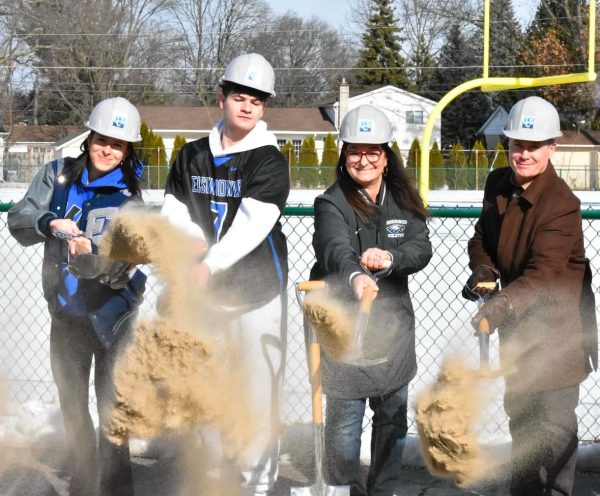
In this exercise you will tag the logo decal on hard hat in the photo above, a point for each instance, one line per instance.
(251, 76)
(119, 121)
(527, 121)
(365, 126)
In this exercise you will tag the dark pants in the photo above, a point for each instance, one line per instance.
(543, 427)
(343, 428)
(101, 468)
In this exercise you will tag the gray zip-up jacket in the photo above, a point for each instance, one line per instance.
(339, 239)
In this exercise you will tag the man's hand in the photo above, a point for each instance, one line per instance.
(481, 282)
(495, 311)
(199, 276)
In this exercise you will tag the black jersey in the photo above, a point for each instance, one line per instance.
(212, 190)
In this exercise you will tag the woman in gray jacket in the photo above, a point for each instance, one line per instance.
(370, 216)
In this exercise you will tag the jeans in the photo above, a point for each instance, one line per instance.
(543, 427)
(343, 428)
(97, 468)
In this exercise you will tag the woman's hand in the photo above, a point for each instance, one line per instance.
(66, 226)
(80, 245)
(359, 283)
(375, 259)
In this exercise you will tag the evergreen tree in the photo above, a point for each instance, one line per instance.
(330, 151)
(414, 160)
(437, 172)
(177, 145)
(422, 62)
(505, 42)
(500, 158)
(157, 163)
(398, 153)
(289, 153)
(309, 160)
(143, 147)
(478, 165)
(287, 150)
(379, 60)
(456, 173)
(459, 61)
(329, 160)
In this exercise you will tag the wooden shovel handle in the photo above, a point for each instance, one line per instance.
(314, 370)
(367, 299)
(311, 285)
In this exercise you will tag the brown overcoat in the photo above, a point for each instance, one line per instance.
(536, 242)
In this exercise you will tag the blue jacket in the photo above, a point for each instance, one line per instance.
(109, 309)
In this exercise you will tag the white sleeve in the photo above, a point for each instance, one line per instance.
(251, 225)
(179, 215)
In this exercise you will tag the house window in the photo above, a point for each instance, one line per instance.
(297, 145)
(414, 117)
(280, 143)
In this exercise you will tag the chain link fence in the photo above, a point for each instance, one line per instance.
(442, 317)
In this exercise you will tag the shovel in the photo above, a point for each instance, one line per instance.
(483, 335)
(319, 488)
(357, 354)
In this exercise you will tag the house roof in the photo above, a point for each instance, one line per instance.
(296, 119)
(581, 137)
(23, 133)
(495, 122)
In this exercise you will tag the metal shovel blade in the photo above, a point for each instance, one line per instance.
(362, 320)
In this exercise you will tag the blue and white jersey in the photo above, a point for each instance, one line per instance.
(233, 199)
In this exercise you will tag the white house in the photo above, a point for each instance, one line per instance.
(492, 128)
(407, 112)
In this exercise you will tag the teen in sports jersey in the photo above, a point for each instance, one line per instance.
(229, 190)
(68, 207)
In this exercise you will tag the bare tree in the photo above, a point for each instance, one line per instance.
(213, 32)
(309, 57)
(426, 23)
(87, 50)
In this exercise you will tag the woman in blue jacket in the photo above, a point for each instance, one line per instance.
(370, 218)
(92, 301)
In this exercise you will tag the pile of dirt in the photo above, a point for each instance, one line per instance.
(179, 371)
(447, 415)
(170, 381)
(331, 322)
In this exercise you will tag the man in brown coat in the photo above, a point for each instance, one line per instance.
(529, 235)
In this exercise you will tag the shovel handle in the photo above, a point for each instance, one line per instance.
(314, 370)
(311, 285)
(484, 326)
(366, 299)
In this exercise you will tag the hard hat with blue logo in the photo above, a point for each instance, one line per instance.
(533, 119)
(253, 71)
(367, 125)
(116, 118)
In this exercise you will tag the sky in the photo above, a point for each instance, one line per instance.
(337, 12)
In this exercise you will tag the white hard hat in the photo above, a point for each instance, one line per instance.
(533, 119)
(116, 118)
(366, 124)
(253, 71)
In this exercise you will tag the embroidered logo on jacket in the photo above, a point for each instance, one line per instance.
(395, 228)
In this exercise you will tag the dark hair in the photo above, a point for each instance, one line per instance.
(396, 180)
(73, 170)
(228, 87)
